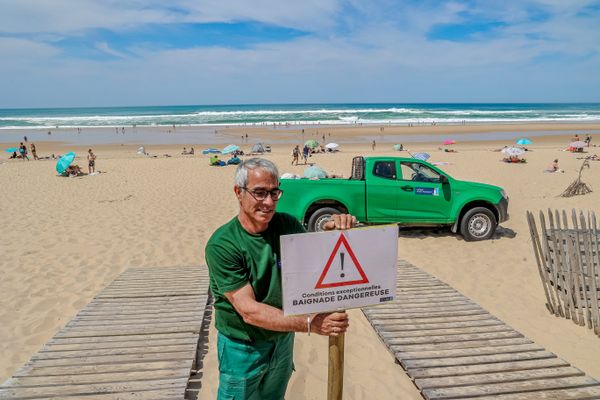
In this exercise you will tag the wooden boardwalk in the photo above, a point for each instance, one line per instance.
(137, 339)
(454, 349)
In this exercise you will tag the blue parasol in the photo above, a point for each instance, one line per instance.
(230, 149)
(11, 149)
(421, 156)
(523, 141)
(63, 162)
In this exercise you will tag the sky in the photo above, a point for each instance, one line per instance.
(86, 53)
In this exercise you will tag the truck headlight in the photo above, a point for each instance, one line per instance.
(503, 193)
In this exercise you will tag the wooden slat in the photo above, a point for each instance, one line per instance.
(498, 377)
(510, 387)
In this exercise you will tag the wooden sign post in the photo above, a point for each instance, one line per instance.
(335, 376)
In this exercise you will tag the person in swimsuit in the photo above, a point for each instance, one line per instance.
(91, 161)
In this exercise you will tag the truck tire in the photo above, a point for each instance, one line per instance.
(479, 223)
(319, 217)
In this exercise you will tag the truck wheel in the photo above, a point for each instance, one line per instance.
(478, 223)
(320, 217)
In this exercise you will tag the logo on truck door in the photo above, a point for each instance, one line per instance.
(427, 191)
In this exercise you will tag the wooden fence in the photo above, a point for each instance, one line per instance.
(567, 255)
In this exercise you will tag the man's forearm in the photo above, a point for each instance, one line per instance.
(272, 318)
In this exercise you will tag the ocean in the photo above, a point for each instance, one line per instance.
(299, 114)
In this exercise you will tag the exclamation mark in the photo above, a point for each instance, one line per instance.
(342, 263)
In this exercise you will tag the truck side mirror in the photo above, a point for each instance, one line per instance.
(444, 179)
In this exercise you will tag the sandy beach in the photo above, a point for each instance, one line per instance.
(64, 239)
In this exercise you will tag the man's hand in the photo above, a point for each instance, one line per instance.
(340, 221)
(330, 324)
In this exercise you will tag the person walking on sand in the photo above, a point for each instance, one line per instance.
(23, 151)
(373, 145)
(255, 340)
(91, 161)
(305, 153)
(295, 155)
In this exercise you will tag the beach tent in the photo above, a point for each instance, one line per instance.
(332, 146)
(315, 171)
(258, 148)
(141, 150)
(211, 151)
(398, 147)
(523, 141)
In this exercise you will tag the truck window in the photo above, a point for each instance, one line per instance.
(413, 171)
(385, 169)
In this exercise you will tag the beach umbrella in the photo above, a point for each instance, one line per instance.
(513, 151)
(449, 141)
(230, 149)
(421, 156)
(211, 151)
(397, 147)
(315, 171)
(63, 162)
(332, 146)
(523, 141)
(578, 145)
(313, 144)
(11, 149)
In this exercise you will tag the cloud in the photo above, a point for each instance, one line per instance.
(64, 54)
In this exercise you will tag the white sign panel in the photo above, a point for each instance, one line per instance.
(338, 270)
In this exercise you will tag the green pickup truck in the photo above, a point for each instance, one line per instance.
(406, 191)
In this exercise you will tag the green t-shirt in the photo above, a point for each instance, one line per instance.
(236, 257)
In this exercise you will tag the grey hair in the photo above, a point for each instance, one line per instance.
(241, 173)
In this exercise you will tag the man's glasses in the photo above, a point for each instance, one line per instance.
(261, 194)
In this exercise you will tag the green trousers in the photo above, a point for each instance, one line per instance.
(254, 371)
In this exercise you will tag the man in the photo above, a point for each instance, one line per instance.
(91, 161)
(255, 341)
(295, 155)
(23, 151)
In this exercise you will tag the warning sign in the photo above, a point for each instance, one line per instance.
(338, 276)
(338, 270)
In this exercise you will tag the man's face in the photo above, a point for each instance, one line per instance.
(259, 213)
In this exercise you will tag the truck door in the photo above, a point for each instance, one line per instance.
(422, 196)
(382, 191)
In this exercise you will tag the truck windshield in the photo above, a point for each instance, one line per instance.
(413, 171)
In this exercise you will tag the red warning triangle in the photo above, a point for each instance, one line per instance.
(353, 276)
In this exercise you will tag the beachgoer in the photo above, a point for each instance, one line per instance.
(184, 151)
(91, 161)
(305, 153)
(255, 340)
(23, 151)
(72, 171)
(191, 151)
(587, 140)
(14, 155)
(295, 155)
(554, 167)
(34, 151)
(25, 139)
(373, 144)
